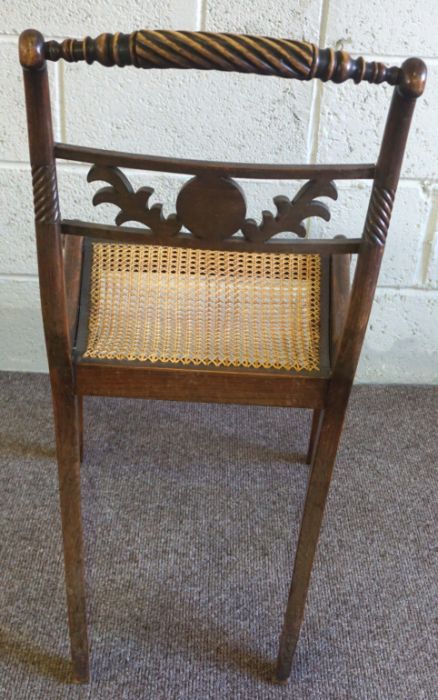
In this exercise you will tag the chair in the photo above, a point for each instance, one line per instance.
(206, 305)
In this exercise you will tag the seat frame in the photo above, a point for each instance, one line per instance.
(60, 256)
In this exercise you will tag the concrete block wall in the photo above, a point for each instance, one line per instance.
(208, 115)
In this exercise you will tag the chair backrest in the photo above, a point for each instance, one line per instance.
(211, 205)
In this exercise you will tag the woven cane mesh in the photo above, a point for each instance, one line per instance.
(202, 307)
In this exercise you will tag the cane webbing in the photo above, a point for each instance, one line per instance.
(203, 307)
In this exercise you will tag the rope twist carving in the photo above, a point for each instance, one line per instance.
(283, 58)
(45, 193)
(379, 215)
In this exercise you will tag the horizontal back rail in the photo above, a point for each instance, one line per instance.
(257, 171)
(142, 236)
(284, 58)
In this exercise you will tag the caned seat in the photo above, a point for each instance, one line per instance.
(206, 304)
(203, 307)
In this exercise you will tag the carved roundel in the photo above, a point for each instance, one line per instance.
(211, 207)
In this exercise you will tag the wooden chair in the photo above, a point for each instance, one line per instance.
(203, 314)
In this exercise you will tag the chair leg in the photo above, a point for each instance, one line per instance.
(80, 409)
(68, 454)
(317, 490)
(313, 434)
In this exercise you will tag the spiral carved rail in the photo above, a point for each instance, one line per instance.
(45, 193)
(379, 216)
(283, 58)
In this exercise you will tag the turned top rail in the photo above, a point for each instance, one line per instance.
(284, 58)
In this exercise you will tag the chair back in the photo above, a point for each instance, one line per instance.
(210, 209)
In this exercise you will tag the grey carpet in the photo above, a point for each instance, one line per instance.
(191, 517)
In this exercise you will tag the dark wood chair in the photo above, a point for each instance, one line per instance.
(189, 309)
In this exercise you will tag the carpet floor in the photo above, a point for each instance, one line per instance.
(191, 518)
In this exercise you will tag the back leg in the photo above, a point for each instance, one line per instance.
(80, 409)
(319, 481)
(68, 455)
(313, 434)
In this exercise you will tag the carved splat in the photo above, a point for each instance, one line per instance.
(133, 204)
(292, 213)
(211, 207)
